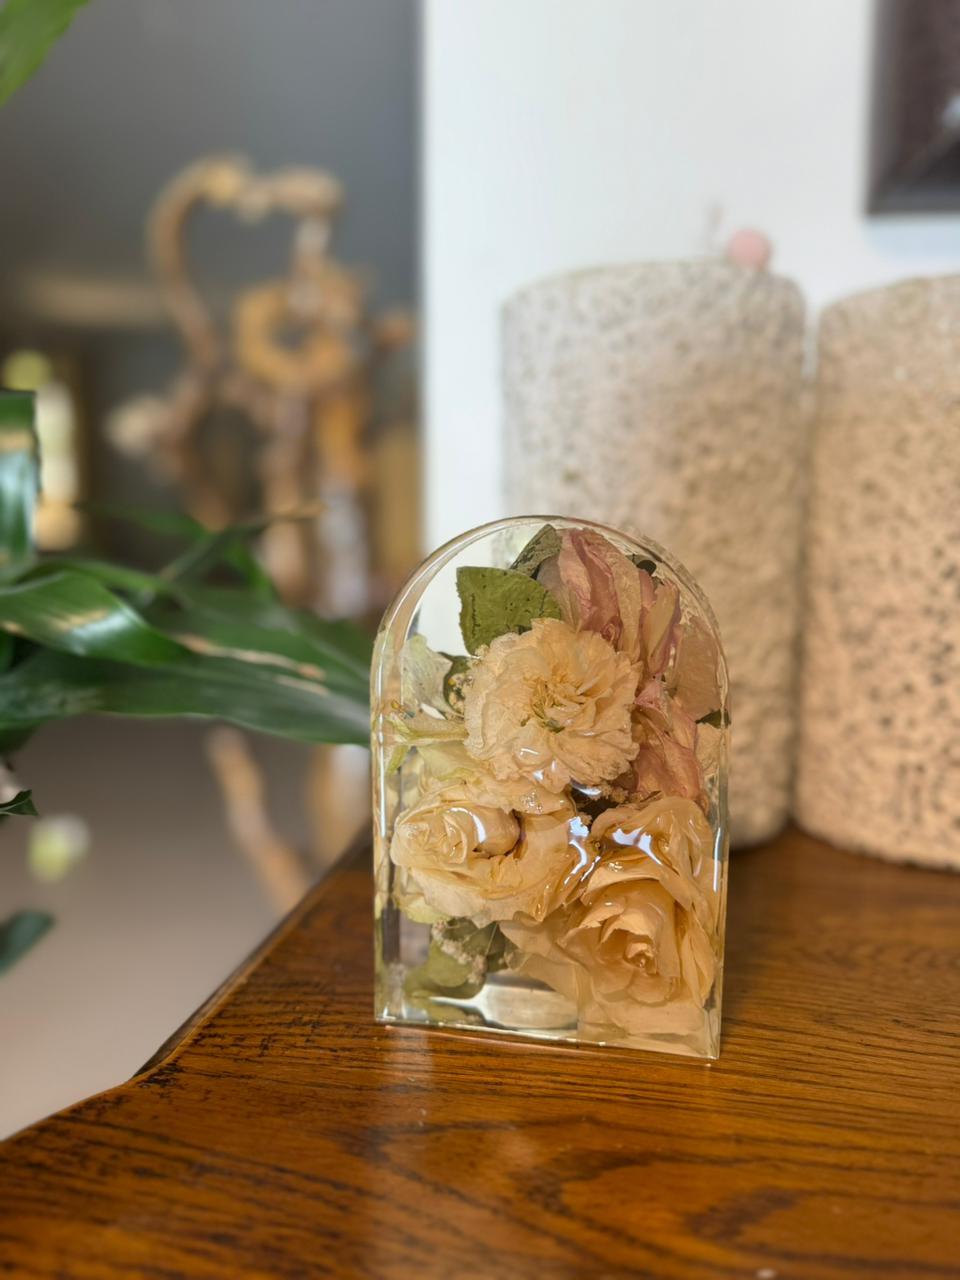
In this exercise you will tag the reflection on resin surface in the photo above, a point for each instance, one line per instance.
(550, 731)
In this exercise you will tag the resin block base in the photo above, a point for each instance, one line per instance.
(511, 1007)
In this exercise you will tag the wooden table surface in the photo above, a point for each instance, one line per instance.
(286, 1134)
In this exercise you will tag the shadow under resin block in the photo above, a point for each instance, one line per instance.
(550, 763)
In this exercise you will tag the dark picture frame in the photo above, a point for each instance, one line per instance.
(914, 163)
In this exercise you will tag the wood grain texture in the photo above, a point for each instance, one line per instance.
(290, 1136)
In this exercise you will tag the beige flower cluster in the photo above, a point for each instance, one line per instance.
(563, 798)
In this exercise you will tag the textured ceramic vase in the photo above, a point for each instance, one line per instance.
(549, 756)
(669, 397)
(879, 756)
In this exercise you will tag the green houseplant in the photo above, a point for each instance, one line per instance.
(206, 636)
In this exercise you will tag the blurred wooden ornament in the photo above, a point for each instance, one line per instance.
(298, 361)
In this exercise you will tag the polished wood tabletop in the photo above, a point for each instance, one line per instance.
(288, 1135)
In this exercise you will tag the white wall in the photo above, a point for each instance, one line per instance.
(567, 133)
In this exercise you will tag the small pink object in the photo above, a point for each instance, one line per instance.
(749, 248)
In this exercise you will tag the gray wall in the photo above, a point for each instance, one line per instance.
(138, 88)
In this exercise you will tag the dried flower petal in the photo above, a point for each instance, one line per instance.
(634, 951)
(470, 860)
(551, 705)
(695, 677)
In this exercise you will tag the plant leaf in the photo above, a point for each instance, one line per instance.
(118, 576)
(253, 663)
(170, 524)
(295, 650)
(7, 644)
(455, 681)
(22, 804)
(463, 939)
(227, 545)
(345, 641)
(53, 686)
(19, 932)
(76, 613)
(19, 471)
(458, 959)
(206, 548)
(542, 546)
(337, 645)
(28, 29)
(13, 739)
(443, 974)
(494, 601)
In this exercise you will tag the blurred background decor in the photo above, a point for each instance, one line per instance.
(55, 379)
(162, 908)
(298, 369)
(283, 405)
(76, 287)
(879, 758)
(670, 397)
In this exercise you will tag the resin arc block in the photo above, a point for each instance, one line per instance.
(879, 756)
(550, 771)
(669, 397)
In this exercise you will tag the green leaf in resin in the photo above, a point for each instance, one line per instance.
(542, 546)
(458, 960)
(495, 601)
(455, 680)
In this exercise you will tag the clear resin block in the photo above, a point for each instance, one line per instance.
(550, 762)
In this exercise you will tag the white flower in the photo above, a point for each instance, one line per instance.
(636, 951)
(470, 859)
(552, 705)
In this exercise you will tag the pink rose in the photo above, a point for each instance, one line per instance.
(599, 589)
(666, 759)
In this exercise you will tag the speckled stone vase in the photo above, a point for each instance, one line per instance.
(879, 755)
(669, 396)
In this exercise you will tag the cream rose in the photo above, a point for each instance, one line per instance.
(551, 705)
(635, 952)
(450, 764)
(469, 859)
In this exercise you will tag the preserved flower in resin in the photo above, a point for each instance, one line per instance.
(549, 734)
(551, 704)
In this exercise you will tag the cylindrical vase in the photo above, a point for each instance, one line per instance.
(669, 397)
(879, 755)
